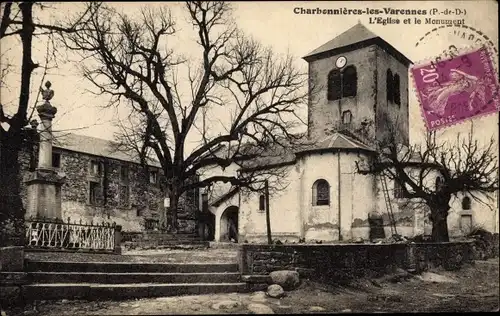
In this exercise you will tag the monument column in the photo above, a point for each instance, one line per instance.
(44, 184)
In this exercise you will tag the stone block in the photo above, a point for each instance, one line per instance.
(289, 280)
(12, 259)
(254, 279)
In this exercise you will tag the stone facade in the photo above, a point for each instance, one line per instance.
(105, 189)
(370, 109)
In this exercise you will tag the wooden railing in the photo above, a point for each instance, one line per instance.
(42, 233)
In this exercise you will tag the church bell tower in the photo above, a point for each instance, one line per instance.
(358, 85)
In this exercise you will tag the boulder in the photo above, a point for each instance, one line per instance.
(260, 308)
(275, 291)
(288, 279)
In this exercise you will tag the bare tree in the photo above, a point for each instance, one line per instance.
(432, 174)
(19, 20)
(133, 63)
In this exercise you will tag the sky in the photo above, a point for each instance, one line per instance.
(276, 25)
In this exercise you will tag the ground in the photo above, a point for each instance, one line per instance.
(473, 288)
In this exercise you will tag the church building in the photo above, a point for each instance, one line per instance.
(359, 93)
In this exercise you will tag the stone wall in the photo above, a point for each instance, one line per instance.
(144, 201)
(347, 261)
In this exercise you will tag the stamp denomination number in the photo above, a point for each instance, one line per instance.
(429, 75)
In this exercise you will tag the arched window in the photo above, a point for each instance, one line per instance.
(389, 86)
(334, 85)
(466, 203)
(346, 117)
(439, 183)
(262, 202)
(349, 82)
(321, 192)
(397, 91)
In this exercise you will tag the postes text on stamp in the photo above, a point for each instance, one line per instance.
(456, 89)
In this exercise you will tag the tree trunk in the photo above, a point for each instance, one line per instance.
(172, 210)
(11, 206)
(439, 217)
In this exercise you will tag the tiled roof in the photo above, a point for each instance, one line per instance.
(357, 33)
(277, 155)
(336, 141)
(355, 37)
(96, 147)
(224, 197)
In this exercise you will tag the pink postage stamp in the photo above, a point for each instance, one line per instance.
(457, 89)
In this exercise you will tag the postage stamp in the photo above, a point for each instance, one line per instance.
(456, 89)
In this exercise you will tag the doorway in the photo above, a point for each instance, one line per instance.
(229, 224)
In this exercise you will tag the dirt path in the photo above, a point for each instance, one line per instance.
(474, 288)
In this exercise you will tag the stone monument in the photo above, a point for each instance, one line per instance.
(44, 184)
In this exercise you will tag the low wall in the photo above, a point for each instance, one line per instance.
(346, 261)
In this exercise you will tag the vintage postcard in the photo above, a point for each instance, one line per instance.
(249, 157)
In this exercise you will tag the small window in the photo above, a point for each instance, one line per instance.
(466, 203)
(56, 160)
(321, 192)
(349, 82)
(94, 192)
(397, 91)
(346, 117)
(124, 174)
(138, 212)
(389, 86)
(334, 85)
(95, 168)
(153, 177)
(262, 203)
(124, 195)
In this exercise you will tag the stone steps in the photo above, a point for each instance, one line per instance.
(123, 267)
(123, 278)
(96, 291)
(49, 280)
(163, 240)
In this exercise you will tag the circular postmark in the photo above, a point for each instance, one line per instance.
(457, 34)
(457, 79)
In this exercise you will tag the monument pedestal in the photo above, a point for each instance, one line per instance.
(44, 194)
(44, 184)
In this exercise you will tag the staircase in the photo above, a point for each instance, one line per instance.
(159, 240)
(121, 280)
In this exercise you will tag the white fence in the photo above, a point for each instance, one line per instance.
(60, 235)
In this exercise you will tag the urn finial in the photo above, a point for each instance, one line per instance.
(47, 94)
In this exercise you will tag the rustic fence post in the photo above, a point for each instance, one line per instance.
(118, 240)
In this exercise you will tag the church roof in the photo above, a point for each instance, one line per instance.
(356, 37)
(355, 34)
(336, 141)
(283, 155)
(96, 147)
